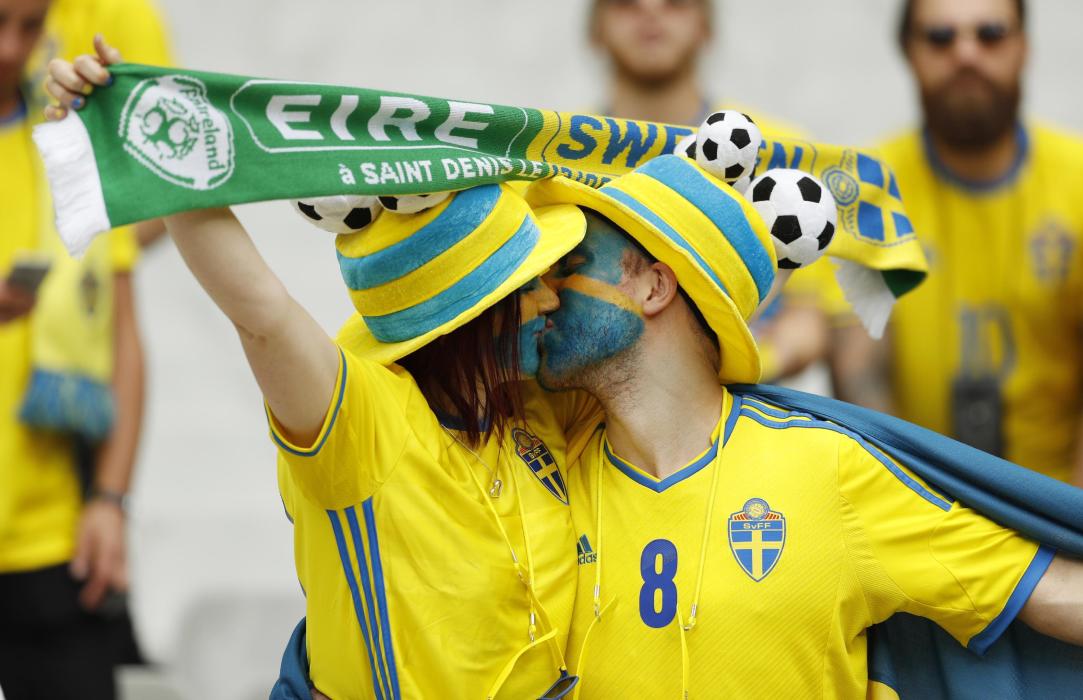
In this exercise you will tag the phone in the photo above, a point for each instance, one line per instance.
(977, 413)
(28, 274)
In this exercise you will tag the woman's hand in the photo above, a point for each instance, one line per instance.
(71, 83)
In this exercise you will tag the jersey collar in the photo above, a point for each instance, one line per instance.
(1022, 140)
(719, 437)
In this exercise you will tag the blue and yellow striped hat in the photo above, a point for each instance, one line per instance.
(414, 277)
(716, 243)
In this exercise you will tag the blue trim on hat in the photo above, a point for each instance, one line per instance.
(667, 230)
(467, 210)
(461, 296)
(721, 208)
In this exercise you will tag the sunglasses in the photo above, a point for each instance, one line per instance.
(562, 687)
(988, 34)
(669, 4)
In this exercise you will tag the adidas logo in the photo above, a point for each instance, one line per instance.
(586, 554)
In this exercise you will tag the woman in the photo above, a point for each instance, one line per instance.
(432, 532)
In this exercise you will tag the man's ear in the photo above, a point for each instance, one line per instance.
(663, 289)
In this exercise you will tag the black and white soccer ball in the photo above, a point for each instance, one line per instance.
(339, 213)
(412, 203)
(727, 145)
(798, 210)
(686, 147)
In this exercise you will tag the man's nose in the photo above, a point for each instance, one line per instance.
(967, 49)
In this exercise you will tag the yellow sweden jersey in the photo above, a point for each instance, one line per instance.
(40, 496)
(814, 537)
(410, 585)
(1002, 306)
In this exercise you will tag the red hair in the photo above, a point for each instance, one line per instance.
(476, 370)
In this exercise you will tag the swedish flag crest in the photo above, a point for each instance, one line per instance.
(757, 535)
(541, 462)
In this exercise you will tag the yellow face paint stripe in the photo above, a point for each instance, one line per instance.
(601, 291)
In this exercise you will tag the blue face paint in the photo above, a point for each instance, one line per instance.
(596, 320)
(529, 357)
(531, 327)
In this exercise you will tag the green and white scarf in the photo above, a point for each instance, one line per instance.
(160, 141)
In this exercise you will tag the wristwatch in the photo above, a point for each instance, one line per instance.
(120, 500)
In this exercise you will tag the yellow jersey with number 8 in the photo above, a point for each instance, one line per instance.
(785, 540)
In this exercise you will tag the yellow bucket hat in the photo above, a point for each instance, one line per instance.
(718, 246)
(415, 277)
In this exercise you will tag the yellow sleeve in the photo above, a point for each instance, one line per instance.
(916, 551)
(363, 436)
(123, 249)
(137, 29)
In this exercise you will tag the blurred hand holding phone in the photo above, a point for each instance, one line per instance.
(19, 287)
(28, 272)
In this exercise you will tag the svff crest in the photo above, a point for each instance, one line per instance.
(757, 535)
(541, 462)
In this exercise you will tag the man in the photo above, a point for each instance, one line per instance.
(653, 50)
(988, 349)
(61, 556)
(826, 534)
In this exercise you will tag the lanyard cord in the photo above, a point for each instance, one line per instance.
(683, 629)
(706, 538)
(536, 609)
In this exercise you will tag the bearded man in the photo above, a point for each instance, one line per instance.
(988, 350)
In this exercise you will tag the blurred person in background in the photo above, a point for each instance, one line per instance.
(988, 348)
(62, 494)
(653, 50)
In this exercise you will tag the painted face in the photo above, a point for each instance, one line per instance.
(597, 319)
(536, 299)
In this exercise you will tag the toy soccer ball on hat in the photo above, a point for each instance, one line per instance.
(412, 203)
(686, 147)
(798, 210)
(339, 213)
(742, 185)
(727, 145)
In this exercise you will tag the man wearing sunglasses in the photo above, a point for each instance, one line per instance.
(987, 350)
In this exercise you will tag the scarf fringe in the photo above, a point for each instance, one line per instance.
(68, 403)
(867, 293)
(74, 180)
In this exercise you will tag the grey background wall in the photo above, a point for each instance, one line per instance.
(214, 589)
